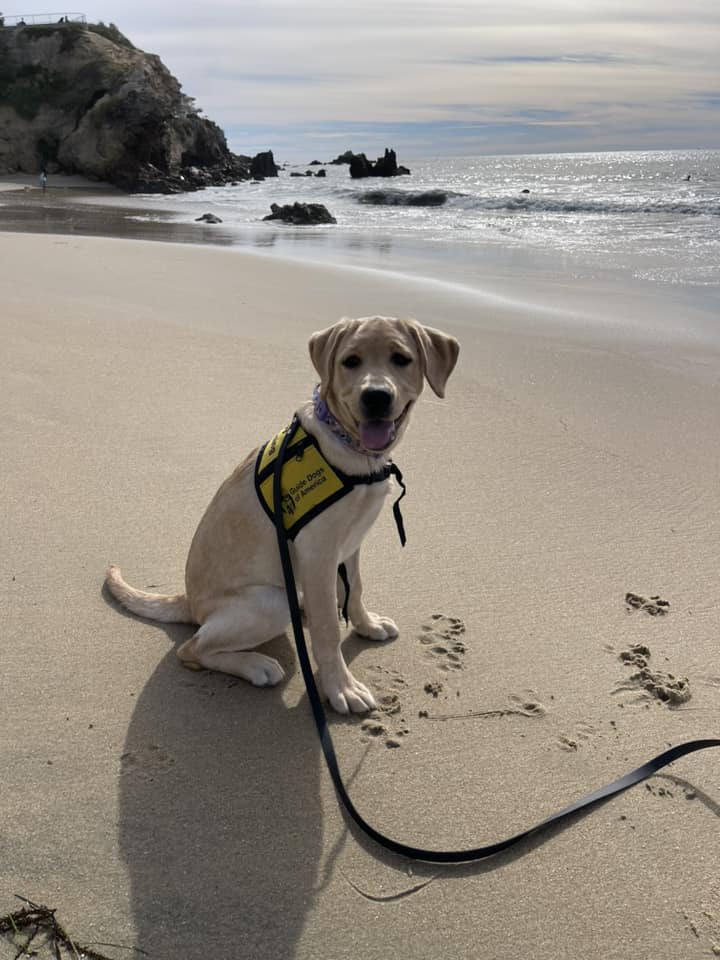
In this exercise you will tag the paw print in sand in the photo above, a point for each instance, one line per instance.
(655, 606)
(665, 687)
(386, 723)
(443, 637)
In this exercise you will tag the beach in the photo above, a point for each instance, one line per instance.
(574, 460)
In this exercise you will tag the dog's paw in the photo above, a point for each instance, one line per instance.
(259, 670)
(346, 694)
(375, 627)
(256, 668)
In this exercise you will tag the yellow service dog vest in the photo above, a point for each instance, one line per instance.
(309, 484)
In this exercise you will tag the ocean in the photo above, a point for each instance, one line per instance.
(654, 215)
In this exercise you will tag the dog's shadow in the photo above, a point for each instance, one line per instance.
(220, 818)
(220, 821)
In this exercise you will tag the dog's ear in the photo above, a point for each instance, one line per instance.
(323, 347)
(439, 353)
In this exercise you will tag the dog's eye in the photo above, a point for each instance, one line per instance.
(401, 359)
(352, 361)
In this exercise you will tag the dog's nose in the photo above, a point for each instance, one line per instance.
(376, 403)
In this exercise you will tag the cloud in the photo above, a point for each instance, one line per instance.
(514, 71)
(573, 58)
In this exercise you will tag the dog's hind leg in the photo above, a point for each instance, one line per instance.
(225, 639)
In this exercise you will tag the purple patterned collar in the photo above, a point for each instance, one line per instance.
(325, 415)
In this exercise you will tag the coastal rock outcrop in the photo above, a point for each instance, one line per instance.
(343, 158)
(385, 166)
(301, 213)
(360, 166)
(263, 165)
(79, 98)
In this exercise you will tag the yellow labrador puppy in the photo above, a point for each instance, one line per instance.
(371, 373)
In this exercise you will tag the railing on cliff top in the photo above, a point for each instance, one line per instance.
(33, 19)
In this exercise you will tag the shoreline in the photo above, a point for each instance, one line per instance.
(599, 305)
(60, 182)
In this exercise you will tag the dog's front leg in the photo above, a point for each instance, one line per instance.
(370, 625)
(345, 693)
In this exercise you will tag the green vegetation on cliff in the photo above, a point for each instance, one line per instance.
(80, 98)
(111, 32)
(29, 79)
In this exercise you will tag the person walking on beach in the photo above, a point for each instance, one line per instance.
(43, 180)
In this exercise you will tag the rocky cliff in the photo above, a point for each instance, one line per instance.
(77, 98)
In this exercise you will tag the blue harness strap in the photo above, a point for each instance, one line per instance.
(395, 846)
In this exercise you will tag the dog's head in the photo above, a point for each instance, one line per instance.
(372, 371)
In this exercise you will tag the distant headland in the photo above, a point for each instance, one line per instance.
(80, 98)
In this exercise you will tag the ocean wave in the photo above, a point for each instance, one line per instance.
(511, 203)
(404, 198)
(544, 204)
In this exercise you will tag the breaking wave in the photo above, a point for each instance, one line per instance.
(541, 204)
(404, 198)
(512, 203)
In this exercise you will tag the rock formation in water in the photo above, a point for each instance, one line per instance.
(301, 214)
(79, 98)
(263, 165)
(360, 166)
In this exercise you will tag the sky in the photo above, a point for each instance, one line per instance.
(310, 79)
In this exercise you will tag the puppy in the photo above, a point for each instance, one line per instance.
(372, 371)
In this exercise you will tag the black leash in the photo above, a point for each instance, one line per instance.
(419, 853)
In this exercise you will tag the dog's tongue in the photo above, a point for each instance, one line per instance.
(377, 434)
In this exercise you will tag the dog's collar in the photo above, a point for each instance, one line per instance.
(326, 416)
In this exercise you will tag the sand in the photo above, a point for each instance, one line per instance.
(189, 814)
(56, 183)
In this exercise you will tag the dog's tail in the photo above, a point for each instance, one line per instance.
(153, 606)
